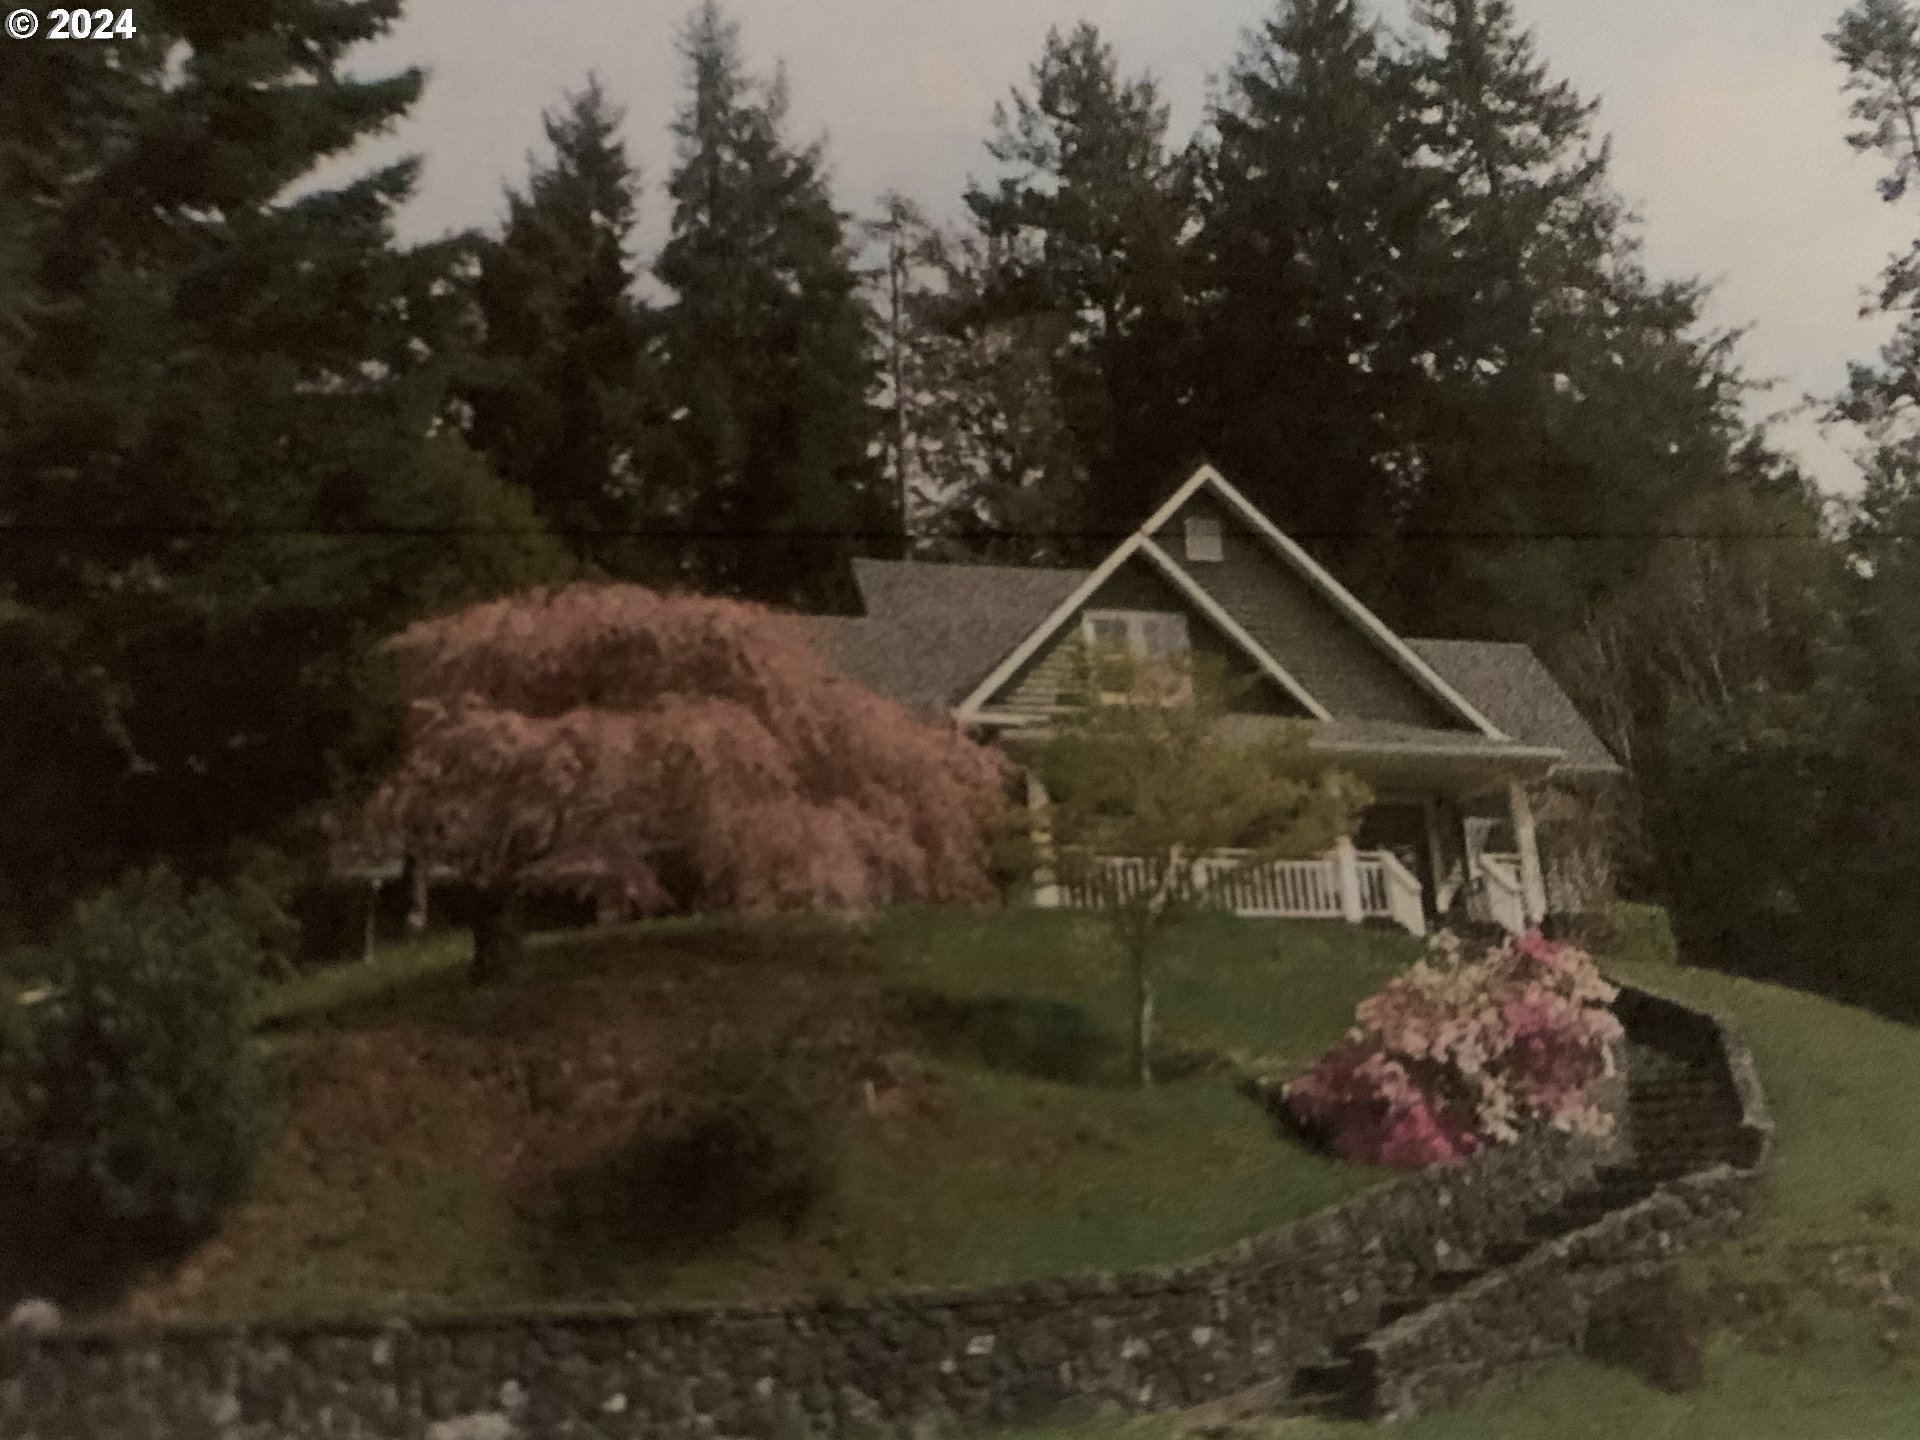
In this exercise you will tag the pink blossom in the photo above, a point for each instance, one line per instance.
(1462, 1052)
(582, 738)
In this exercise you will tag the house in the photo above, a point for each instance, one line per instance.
(1458, 740)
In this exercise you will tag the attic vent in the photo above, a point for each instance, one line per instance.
(1203, 538)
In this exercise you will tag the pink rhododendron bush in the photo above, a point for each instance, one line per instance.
(1467, 1051)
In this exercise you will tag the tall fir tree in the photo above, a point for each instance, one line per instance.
(1427, 341)
(1084, 222)
(1878, 44)
(1577, 404)
(1316, 258)
(767, 477)
(563, 397)
(1870, 821)
(216, 483)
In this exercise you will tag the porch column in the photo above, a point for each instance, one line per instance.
(1346, 866)
(1533, 882)
(1440, 893)
(1046, 887)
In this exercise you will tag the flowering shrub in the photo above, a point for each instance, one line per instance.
(1462, 1052)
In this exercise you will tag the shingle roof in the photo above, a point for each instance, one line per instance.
(932, 631)
(1508, 684)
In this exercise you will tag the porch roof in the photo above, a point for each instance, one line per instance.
(1392, 756)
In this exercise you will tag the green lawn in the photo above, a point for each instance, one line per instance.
(1819, 1339)
(1017, 1151)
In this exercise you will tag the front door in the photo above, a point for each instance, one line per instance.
(1401, 828)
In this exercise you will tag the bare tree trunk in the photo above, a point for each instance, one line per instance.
(416, 872)
(498, 939)
(1142, 1014)
(1140, 953)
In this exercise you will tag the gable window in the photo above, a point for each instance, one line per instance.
(1203, 538)
(1144, 634)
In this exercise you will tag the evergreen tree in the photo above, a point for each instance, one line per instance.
(1428, 343)
(1315, 255)
(1878, 41)
(767, 479)
(1577, 405)
(1084, 225)
(976, 447)
(562, 397)
(214, 487)
(1869, 822)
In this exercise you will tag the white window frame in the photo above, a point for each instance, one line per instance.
(1203, 537)
(1136, 622)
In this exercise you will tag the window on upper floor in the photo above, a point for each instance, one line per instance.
(1203, 538)
(1148, 635)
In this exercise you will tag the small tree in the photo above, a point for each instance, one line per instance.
(643, 749)
(1148, 771)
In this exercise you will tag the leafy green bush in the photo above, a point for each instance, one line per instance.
(1642, 933)
(132, 1100)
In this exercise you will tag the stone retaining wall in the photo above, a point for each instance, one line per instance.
(1150, 1340)
(1536, 1309)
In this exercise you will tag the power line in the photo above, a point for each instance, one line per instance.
(874, 536)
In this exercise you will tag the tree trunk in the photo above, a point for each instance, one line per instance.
(1142, 1017)
(497, 936)
(416, 881)
(1140, 951)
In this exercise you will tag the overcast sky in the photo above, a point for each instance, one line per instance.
(1727, 118)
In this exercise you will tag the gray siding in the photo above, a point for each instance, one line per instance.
(1035, 688)
(1340, 665)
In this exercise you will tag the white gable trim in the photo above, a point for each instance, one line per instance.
(969, 710)
(1343, 599)
(1231, 628)
(972, 710)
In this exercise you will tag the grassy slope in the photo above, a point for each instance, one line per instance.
(1809, 1355)
(1030, 1157)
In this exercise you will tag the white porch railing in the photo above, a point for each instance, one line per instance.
(1389, 889)
(1505, 896)
(1276, 890)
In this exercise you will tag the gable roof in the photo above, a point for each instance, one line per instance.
(974, 706)
(933, 631)
(945, 638)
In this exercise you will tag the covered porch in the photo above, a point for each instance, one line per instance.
(1452, 835)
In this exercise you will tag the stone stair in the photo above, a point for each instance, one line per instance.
(1683, 1116)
